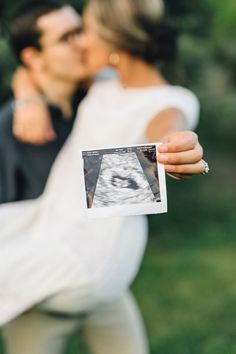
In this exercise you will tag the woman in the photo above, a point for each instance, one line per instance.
(90, 265)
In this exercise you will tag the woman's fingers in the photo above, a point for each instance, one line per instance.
(178, 142)
(181, 158)
(26, 134)
(32, 136)
(186, 169)
(181, 154)
(31, 121)
(33, 126)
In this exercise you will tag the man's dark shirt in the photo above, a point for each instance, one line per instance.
(24, 168)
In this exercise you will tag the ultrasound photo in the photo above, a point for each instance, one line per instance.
(121, 176)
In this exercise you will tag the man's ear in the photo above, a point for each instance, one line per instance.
(31, 58)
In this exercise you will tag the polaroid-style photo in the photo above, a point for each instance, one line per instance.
(124, 180)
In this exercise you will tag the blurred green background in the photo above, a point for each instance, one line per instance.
(186, 287)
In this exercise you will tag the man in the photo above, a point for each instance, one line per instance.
(43, 36)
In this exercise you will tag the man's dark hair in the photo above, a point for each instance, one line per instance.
(23, 28)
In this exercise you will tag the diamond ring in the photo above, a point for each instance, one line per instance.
(206, 168)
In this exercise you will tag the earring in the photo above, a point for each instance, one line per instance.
(114, 59)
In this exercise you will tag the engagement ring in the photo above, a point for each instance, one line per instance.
(206, 168)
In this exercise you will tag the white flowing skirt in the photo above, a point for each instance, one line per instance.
(41, 254)
(47, 246)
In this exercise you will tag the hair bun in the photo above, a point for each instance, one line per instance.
(162, 44)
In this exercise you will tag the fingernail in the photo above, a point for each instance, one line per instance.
(163, 158)
(162, 148)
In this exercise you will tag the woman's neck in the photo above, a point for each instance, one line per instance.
(135, 73)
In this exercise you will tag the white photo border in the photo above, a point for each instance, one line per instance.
(126, 209)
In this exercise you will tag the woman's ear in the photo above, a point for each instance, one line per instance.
(31, 58)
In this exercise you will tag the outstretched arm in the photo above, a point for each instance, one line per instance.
(32, 121)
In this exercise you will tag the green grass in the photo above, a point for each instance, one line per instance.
(188, 297)
(186, 287)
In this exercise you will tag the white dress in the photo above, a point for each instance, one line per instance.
(46, 245)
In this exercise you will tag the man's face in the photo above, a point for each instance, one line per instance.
(60, 55)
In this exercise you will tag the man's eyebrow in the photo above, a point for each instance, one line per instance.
(75, 30)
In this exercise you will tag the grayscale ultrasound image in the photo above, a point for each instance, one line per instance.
(121, 176)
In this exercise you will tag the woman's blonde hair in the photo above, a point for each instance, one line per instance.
(133, 26)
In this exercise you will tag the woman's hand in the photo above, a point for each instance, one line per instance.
(32, 123)
(181, 154)
(31, 118)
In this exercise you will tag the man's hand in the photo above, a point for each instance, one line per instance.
(181, 154)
